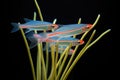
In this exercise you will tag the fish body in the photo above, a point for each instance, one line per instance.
(70, 30)
(34, 25)
(61, 49)
(63, 35)
(36, 38)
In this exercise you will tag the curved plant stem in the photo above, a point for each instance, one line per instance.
(105, 32)
(56, 58)
(38, 62)
(78, 57)
(29, 54)
(71, 58)
(61, 57)
(43, 63)
(56, 55)
(70, 61)
(83, 36)
(51, 76)
(47, 58)
(88, 45)
(40, 59)
(41, 72)
(63, 62)
(40, 46)
(60, 62)
(34, 17)
(54, 22)
(38, 67)
(79, 21)
(39, 11)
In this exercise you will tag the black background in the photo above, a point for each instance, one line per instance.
(96, 62)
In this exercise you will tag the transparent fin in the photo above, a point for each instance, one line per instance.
(27, 31)
(27, 20)
(33, 41)
(15, 27)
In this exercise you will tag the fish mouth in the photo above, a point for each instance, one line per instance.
(89, 26)
(55, 26)
(81, 42)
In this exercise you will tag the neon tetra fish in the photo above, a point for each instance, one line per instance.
(70, 30)
(61, 49)
(36, 38)
(34, 25)
(63, 34)
(63, 42)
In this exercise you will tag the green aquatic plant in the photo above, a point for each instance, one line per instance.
(58, 62)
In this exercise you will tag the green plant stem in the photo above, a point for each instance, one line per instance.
(56, 58)
(29, 54)
(70, 61)
(43, 64)
(63, 62)
(78, 57)
(92, 43)
(61, 57)
(79, 21)
(38, 67)
(47, 58)
(96, 21)
(38, 62)
(60, 62)
(39, 10)
(51, 76)
(71, 58)
(51, 54)
(42, 72)
(34, 17)
(83, 51)
(41, 18)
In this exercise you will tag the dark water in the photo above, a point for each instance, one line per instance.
(96, 61)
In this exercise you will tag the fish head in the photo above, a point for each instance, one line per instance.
(81, 42)
(87, 27)
(55, 26)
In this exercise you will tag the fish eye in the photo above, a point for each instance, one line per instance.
(89, 26)
(55, 26)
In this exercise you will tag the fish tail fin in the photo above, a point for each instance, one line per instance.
(15, 27)
(33, 42)
(32, 39)
(30, 34)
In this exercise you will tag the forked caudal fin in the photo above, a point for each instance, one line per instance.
(33, 42)
(15, 27)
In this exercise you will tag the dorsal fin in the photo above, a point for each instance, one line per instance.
(27, 20)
